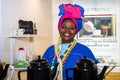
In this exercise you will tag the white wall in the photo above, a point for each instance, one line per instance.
(0, 31)
(38, 11)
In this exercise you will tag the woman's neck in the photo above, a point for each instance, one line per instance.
(66, 42)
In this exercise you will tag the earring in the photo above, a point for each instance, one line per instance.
(59, 38)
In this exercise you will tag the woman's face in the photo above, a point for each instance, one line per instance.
(67, 31)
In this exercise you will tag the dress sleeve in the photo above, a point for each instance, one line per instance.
(85, 51)
(49, 54)
(89, 54)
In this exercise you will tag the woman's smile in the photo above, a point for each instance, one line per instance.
(67, 34)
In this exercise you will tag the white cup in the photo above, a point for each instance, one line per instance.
(21, 31)
(14, 32)
(96, 32)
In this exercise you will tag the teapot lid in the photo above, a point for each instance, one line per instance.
(21, 48)
(39, 59)
(40, 62)
(85, 63)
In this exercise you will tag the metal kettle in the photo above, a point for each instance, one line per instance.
(38, 69)
(86, 69)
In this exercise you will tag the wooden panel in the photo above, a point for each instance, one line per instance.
(113, 76)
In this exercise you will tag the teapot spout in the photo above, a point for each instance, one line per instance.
(101, 75)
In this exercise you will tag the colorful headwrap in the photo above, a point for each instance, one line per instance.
(74, 12)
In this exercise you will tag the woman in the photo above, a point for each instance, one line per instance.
(68, 51)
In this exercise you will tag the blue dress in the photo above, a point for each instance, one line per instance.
(77, 53)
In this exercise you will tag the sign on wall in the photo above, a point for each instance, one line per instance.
(99, 33)
(98, 26)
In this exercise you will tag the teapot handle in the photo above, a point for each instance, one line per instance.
(67, 78)
(24, 70)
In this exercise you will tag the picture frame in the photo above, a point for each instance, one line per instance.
(99, 25)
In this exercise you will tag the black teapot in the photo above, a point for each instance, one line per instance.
(86, 69)
(3, 71)
(38, 69)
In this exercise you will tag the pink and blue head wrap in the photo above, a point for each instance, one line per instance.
(74, 12)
